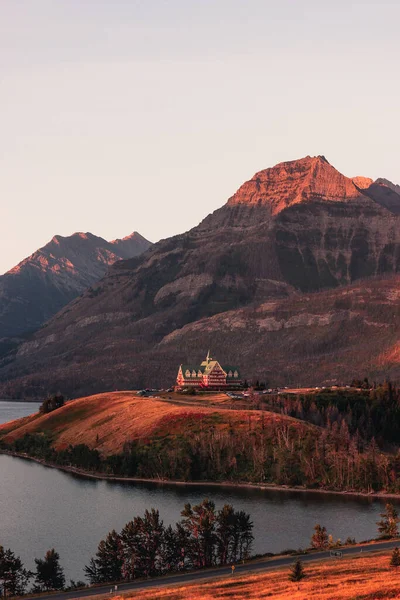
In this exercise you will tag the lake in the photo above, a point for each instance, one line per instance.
(41, 508)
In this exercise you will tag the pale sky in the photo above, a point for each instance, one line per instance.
(147, 115)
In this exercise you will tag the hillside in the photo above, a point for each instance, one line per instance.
(297, 235)
(121, 434)
(35, 289)
(365, 577)
(107, 421)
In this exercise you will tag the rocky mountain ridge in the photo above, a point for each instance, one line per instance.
(293, 233)
(35, 289)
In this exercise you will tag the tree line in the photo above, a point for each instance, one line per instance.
(266, 450)
(14, 577)
(145, 547)
(367, 413)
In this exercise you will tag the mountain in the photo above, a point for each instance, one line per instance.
(292, 237)
(36, 289)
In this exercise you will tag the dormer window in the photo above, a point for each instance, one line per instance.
(193, 373)
(199, 374)
(187, 373)
(230, 374)
(236, 374)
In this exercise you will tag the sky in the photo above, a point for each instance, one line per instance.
(147, 115)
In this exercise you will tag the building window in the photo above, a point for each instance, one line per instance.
(187, 373)
(193, 373)
(230, 374)
(199, 373)
(236, 374)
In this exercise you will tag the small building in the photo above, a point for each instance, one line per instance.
(209, 375)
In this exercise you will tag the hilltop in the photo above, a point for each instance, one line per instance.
(106, 422)
(296, 236)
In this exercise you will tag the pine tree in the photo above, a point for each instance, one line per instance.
(226, 523)
(388, 525)
(199, 523)
(320, 538)
(13, 576)
(49, 574)
(107, 566)
(244, 528)
(297, 571)
(395, 558)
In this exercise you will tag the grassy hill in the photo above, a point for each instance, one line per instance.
(365, 577)
(206, 439)
(106, 422)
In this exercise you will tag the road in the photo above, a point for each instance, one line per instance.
(209, 574)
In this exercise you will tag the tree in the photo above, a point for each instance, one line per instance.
(225, 531)
(388, 525)
(172, 551)
(52, 403)
(319, 538)
(49, 573)
(142, 543)
(13, 576)
(395, 558)
(243, 533)
(107, 566)
(199, 523)
(297, 571)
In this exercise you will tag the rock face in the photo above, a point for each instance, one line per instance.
(34, 290)
(290, 183)
(295, 232)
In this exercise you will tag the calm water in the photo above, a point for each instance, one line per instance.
(42, 508)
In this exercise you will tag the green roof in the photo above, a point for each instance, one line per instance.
(231, 368)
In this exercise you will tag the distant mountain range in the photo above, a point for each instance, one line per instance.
(39, 286)
(294, 279)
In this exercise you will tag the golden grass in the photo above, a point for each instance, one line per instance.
(107, 421)
(367, 577)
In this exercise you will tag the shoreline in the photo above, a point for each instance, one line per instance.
(241, 485)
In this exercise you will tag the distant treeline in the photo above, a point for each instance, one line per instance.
(368, 414)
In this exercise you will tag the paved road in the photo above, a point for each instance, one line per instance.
(196, 576)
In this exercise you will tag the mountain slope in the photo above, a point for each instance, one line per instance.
(34, 290)
(297, 228)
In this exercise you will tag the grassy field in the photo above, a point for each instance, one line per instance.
(366, 577)
(106, 421)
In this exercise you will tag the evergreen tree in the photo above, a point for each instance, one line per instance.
(91, 571)
(319, 538)
(243, 528)
(225, 531)
(131, 549)
(52, 403)
(49, 574)
(297, 571)
(199, 523)
(142, 543)
(395, 558)
(13, 576)
(107, 566)
(172, 551)
(388, 525)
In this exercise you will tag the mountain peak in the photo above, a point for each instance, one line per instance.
(292, 182)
